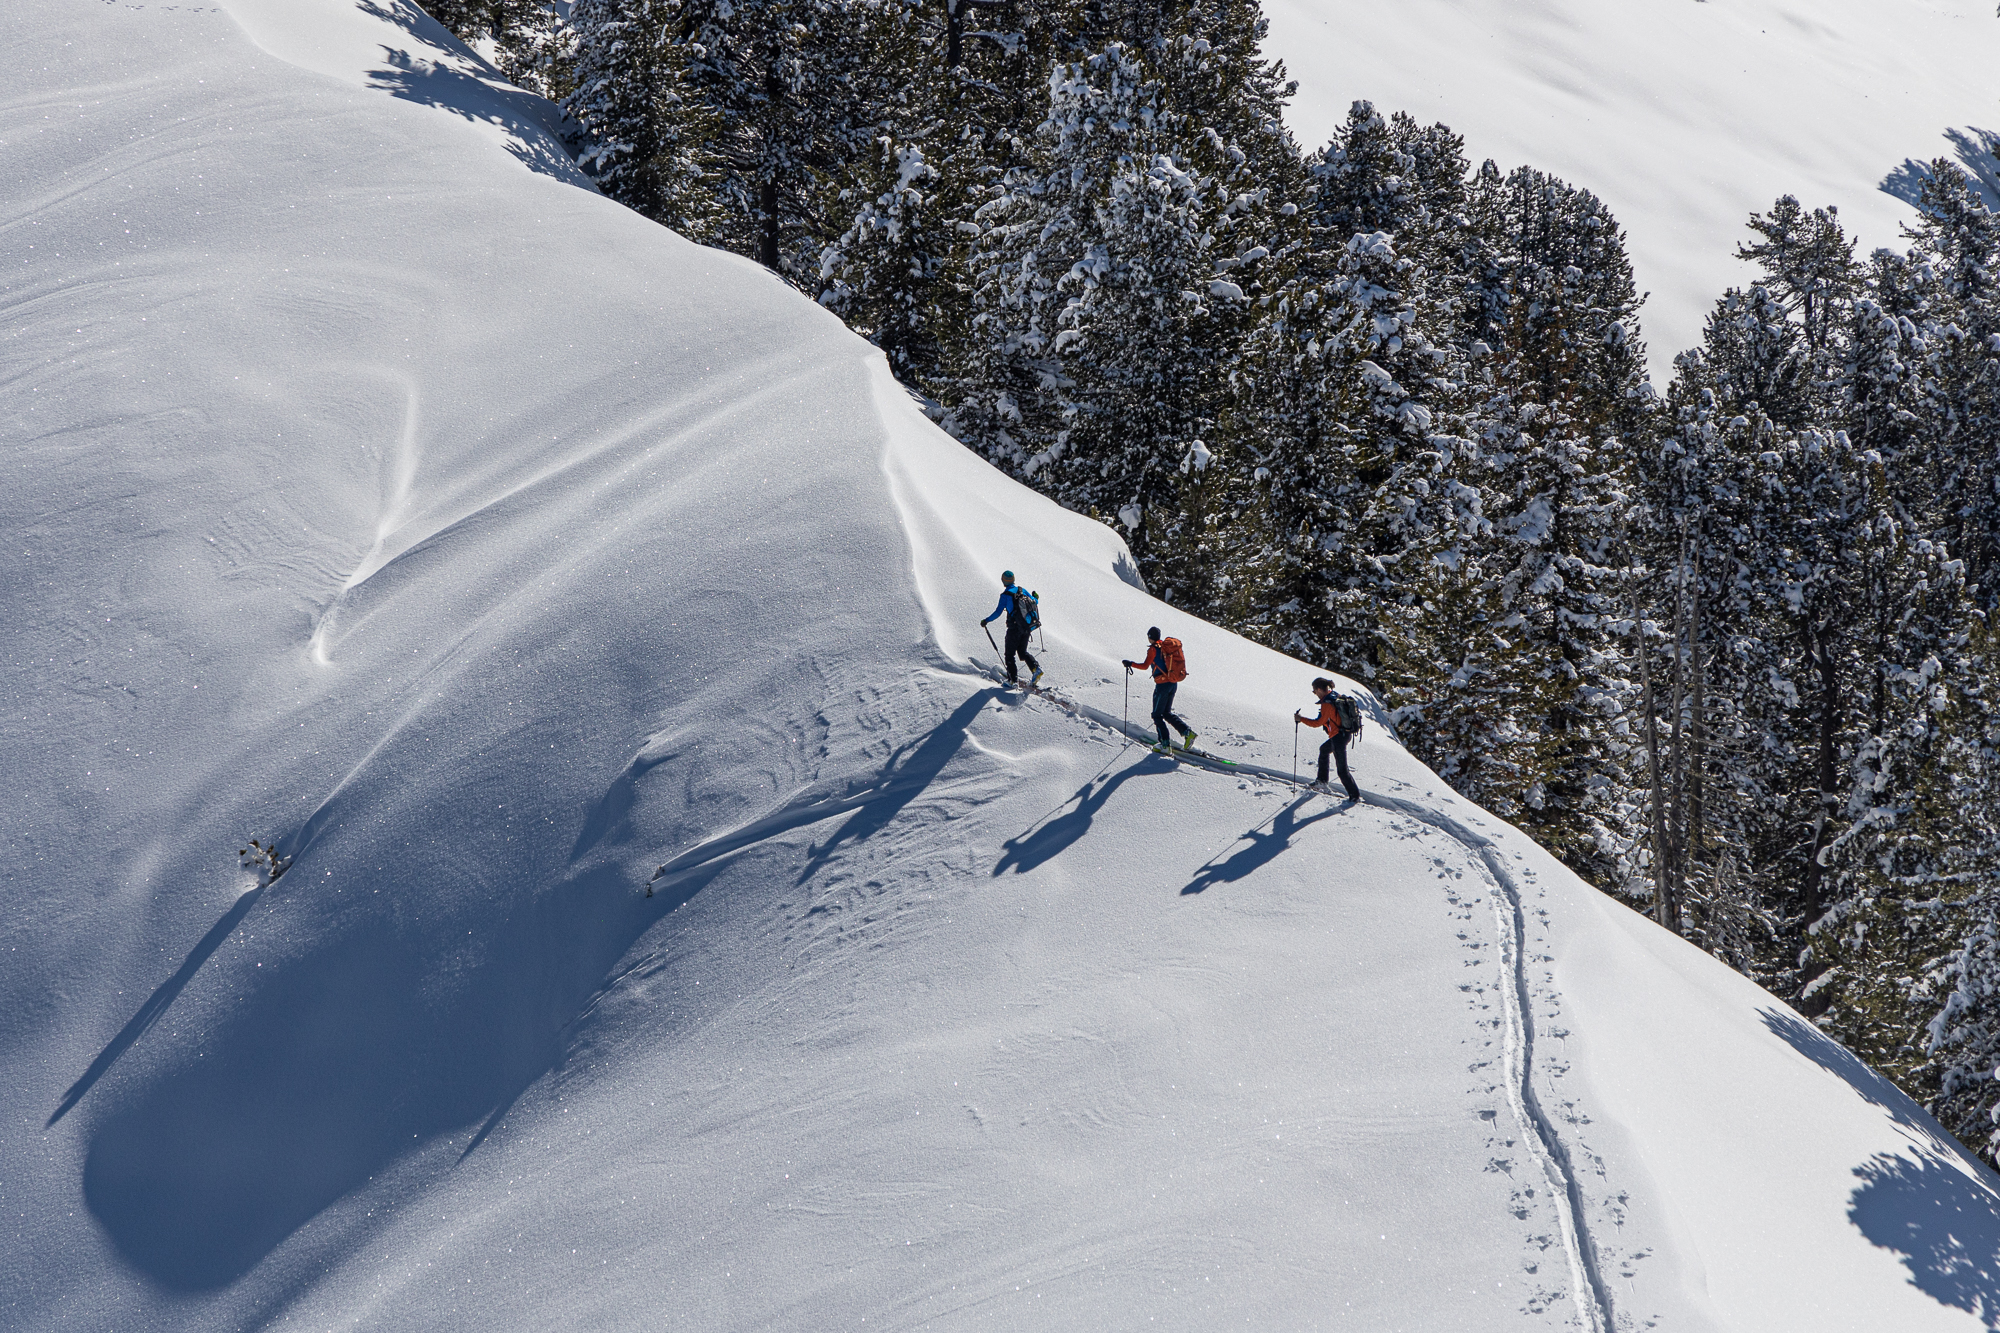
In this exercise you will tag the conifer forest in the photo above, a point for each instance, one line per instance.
(1725, 645)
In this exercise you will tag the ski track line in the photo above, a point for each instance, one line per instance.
(1592, 1297)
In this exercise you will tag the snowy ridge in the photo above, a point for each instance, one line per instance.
(376, 490)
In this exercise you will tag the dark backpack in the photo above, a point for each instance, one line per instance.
(1024, 609)
(1348, 710)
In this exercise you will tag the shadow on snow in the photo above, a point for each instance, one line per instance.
(1049, 838)
(530, 122)
(1937, 1207)
(1263, 849)
(1942, 1219)
(331, 1066)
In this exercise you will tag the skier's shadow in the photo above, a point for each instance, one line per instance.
(1050, 839)
(1264, 847)
(908, 774)
(156, 1004)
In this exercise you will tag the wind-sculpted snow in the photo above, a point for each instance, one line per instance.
(679, 925)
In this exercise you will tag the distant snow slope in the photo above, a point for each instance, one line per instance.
(1683, 115)
(371, 486)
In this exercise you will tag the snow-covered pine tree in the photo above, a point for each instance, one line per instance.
(1092, 284)
(1358, 473)
(1561, 404)
(973, 90)
(1707, 779)
(1958, 238)
(1913, 837)
(1340, 392)
(479, 23)
(885, 274)
(1909, 844)
(1810, 271)
(643, 148)
(1391, 174)
(1855, 778)
(1213, 74)
(788, 94)
(1108, 282)
(1963, 1036)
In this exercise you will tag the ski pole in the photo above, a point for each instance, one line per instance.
(1128, 703)
(989, 638)
(1295, 751)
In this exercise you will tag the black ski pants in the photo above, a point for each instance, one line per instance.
(1163, 709)
(1336, 750)
(1017, 646)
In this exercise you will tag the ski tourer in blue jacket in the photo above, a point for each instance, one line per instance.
(1014, 604)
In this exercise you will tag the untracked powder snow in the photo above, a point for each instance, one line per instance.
(1684, 116)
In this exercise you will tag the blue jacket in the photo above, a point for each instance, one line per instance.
(1006, 605)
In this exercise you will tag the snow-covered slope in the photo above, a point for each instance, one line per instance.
(683, 931)
(1683, 115)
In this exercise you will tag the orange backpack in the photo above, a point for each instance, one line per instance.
(1174, 660)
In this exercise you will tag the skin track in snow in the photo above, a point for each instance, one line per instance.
(1593, 1299)
(379, 491)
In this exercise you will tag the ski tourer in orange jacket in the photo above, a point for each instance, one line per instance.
(1335, 746)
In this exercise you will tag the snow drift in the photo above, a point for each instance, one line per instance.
(1683, 117)
(680, 928)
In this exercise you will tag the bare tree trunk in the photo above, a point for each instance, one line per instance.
(1819, 652)
(1676, 764)
(1697, 728)
(767, 225)
(1660, 908)
(775, 115)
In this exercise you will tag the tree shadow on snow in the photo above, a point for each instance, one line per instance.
(1978, 152)
(324, 1069)
(531, 122)
(1942, 1219)
(1263, 849)
(1049, 838)
(1836, 1059)
(1938, 1208)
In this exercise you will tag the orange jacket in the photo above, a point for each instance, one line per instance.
(1155, 660)
(1329, 717)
